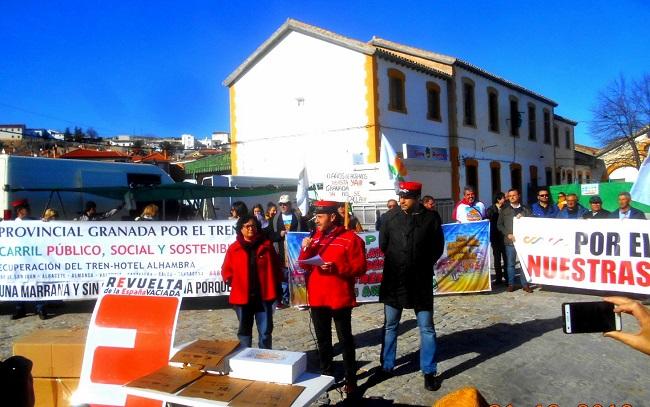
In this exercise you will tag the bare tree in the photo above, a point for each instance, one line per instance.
(621, 113)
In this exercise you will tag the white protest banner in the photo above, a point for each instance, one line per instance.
(69, 260)
(596, 254)
(345, 186)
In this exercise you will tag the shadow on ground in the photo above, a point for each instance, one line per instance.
(488, 342)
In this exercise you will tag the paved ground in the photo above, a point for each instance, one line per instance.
(509, 345)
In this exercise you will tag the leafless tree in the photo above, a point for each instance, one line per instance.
(622, 112)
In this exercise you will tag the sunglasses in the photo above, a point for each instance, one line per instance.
(249, 227)
(543, 195)
(284, 204)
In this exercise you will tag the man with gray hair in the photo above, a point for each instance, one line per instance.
(625, 211)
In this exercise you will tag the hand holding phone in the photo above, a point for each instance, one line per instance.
(641, 340)
(588, 317)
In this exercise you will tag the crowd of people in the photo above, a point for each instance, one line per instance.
(333, 256)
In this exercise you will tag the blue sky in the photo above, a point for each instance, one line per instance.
(129, 67)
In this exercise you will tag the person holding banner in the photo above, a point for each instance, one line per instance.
(544, 208)
(597, 211)
(469, 209)
(412, 240)
(515, 209)
(333, 257)
(625, 211)
(252, 269)
(287, 220)
(572, 210)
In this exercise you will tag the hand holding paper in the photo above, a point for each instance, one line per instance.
(313, 261)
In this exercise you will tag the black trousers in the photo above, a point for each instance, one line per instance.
(322, 318)
(500, 261)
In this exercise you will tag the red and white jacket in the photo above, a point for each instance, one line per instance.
(347, 253)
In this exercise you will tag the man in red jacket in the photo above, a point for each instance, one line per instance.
(333, 258)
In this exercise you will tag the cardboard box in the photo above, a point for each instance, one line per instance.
(54, 352)
(268, 365)
(52, 392)
(210, 355)
(267, 395)
(215, 388)
(167, 379)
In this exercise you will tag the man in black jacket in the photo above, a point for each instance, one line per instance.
(412, 241)
(597, 211)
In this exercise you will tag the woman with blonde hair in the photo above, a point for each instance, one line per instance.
(148, 213)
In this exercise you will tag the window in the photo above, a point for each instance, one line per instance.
(396, 91)
(469, 113)
(495, 174)
(433, 102)
(579, 177)
(587, 177)
(549, 176)
(515, 120)
(567, 138)
(532, 122)
(515, 177)
(558, 177)
(493, 107)
(556, 136)
(547, 126)
(569, 177)
(471, 174)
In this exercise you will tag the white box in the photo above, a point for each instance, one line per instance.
(268, 365)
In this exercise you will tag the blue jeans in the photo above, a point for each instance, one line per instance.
(392, 316)
(511, 256)
(263, 319)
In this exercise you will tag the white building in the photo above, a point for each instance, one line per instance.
(310, 97)
(188, 141)
(220, 138)
(12, 132)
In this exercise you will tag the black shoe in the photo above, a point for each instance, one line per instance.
(42, 314)
(432, 381)
(18, 315)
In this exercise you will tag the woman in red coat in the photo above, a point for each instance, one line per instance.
(252, 269)
(330, 286)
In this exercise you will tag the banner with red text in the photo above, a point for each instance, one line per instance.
(366, 286)
(595, 254)
(70, 260)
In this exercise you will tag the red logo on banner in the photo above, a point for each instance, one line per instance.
(152, 319)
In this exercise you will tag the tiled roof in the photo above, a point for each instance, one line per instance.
(82, 153)
(564, 119)
(586, 149)
(417, 63)
(155, 156)
(446, 59)
(422, 59)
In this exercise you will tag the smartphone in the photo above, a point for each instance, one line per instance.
(586, 317)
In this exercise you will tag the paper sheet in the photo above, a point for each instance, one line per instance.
(313, 261)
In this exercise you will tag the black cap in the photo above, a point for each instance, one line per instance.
(595, 199)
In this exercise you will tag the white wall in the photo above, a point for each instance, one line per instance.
(485, 146)
(303, 103)
(413, 127)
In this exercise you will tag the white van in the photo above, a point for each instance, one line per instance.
(50, 174)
